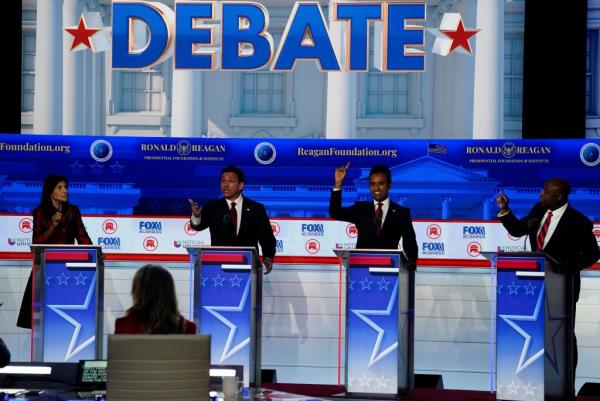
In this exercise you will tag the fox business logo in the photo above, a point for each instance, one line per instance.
(26, 225)
(433, 248)
(313, 230)
(434, 231)
(109, 242)
(474, 249)
(473, 232)
(146, 227)
(109, 226)
(19, 241)
(279, 245)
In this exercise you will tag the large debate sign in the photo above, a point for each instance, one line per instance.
(133, 191)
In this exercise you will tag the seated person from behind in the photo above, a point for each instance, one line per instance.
(154, 309)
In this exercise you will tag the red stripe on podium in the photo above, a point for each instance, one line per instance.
(518, 264)
(70, 256)
(222, 258)
(371, 260)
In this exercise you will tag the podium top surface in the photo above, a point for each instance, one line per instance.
(36, 247)
(342, 252)
(222, 248)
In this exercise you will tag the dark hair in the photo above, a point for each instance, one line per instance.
(50, 182)
(235, 170)
(381, 169)
(155, 302)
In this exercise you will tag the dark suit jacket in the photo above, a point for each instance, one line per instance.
(255, 226)
(397, 224)
(572, 244)
(130, 325)
(69, 229)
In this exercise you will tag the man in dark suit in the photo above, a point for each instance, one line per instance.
(557, 229)
(380, 223)
(235, 220)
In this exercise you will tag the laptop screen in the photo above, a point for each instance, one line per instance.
(92, 372)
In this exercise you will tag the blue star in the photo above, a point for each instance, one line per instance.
(510, 320)
(366, 284)
(76, 167)
(218, 280)
(235, 281)
(204, 281)
(80, 279)
(529, 289)
(47, 279)
(513, 288)
(96, 168)
(500, 288)
(383, 284)
(59, 309)
(351, 284)
(361, 313)
(63, 279)
(117, 168)
(228, 350)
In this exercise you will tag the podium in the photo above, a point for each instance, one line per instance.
(534, 328)
(228, 306)
(379, 323)
(68, 303)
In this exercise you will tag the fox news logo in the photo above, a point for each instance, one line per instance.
(473, 232)
(154, 227)
(313, 230)
(433, 248)
(279, 245)
(26, 225)
(109, 242)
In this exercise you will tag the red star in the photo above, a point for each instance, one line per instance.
(460, 36)
(82, 34)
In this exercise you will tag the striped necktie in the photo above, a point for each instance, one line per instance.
(378, 219)
(542, 235)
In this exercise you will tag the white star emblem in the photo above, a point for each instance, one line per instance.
(380, 332)
(351, 284)
(204, 281)
(63, 279)
(512, 388)
(228, 350)
(510, 320)
(235, 281)
(500, 288)
(529, 389)
(382, 381)
(383, 284)
(218, 280)
(364, 380)
(366, 284)
(59, 309)
(47, 279)
(80, 279)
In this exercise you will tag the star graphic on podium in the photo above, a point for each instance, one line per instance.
(529, 289)
(82, 34)
(366, 284)
(218, 281)
(383, 284)
(47, 279)
(382, 381)
(362, 315)
(529, 389)
(351, 284)
(60, 311)
(235, 281)
(513, 288)
(204, 281)
(63, 279)
(365, 380)
(511, 319)
(80, 279)
(228, 350)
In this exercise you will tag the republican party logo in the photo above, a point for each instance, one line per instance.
(150, 244)
(312, 246)
(187, 227)
(474, 249)
(513, 238)
(596, 231)
(265, 153)
(275, 227)
(590, 154)
(101, 150)
(26, 225)
(434, 231)
(109, 226)
(351, 231)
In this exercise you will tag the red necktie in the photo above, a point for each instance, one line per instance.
(542, 235)
(233, 215)
(378, 219)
